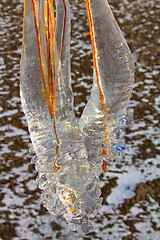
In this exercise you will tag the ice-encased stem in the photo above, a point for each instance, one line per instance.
(34, 81)
(68, 159)
(63, 31)
(104, 115)
(113, 65)
(68, 181)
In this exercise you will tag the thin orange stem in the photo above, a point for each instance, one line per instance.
(104, 168)
(53, 85)
(95, 63)
(49, 54)
(90, 22)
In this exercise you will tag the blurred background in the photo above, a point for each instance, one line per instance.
(131, 195)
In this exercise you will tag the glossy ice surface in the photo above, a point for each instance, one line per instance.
(68, 158)
(135, 193)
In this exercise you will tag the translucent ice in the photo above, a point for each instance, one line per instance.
(106, 112)
(70, 154)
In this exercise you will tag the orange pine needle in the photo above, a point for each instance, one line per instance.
(90, 21)
(52, 85)
(102, 99)
(104, 168)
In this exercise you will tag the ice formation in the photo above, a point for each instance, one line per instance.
(70, 154)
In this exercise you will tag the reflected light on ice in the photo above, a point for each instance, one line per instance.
(71, 154)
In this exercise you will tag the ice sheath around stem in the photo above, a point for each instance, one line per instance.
(106, 114)
(71, 154)
(65, 175)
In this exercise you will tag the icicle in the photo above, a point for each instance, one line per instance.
(68, 157)
(113, 80)
(68, 181)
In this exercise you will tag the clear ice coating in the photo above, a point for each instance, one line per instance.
(71, 154)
